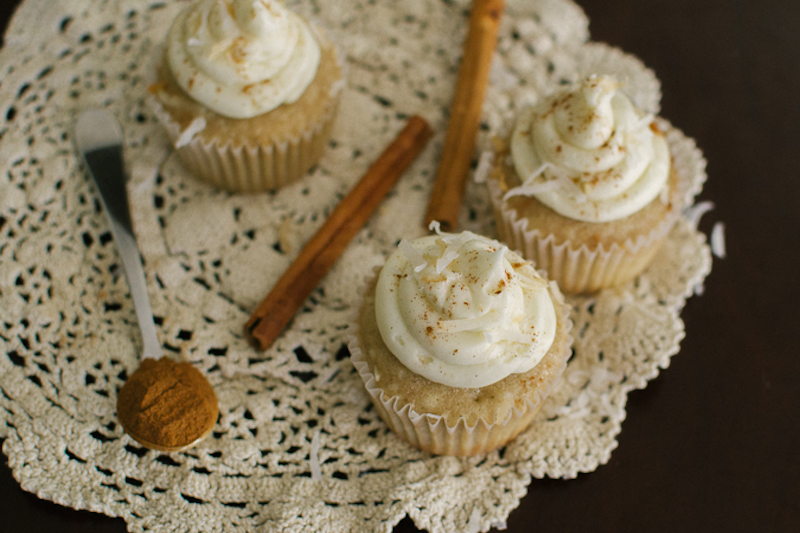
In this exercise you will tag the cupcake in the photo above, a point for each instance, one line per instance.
(585, 186)
(459, 340)
(247, 92)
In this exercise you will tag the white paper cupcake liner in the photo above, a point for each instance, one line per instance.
(255, 168)
(430, 432)
(578, 268)
(252, 168)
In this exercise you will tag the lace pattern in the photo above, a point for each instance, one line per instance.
(298, 444)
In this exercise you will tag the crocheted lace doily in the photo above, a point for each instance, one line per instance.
(298, 445)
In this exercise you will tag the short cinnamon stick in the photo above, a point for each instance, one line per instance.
(465, 114)
(325, 247)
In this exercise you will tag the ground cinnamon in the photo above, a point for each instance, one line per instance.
(167, 405)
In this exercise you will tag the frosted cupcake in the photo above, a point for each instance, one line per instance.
(458, 341)
(585, 187)
(248, 92)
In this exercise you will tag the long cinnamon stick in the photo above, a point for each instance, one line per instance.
(465, 114)
(325, 247)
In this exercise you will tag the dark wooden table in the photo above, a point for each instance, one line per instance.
(712, 444)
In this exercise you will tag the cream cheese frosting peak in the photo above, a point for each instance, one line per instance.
(585, 119)
(463, 310)
(589, 154)
(242, 58)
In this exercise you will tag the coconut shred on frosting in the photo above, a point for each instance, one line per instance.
(463, 310)
(589, 154)
(242, 58)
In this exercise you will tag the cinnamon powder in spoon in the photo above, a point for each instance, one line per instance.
(167, 405)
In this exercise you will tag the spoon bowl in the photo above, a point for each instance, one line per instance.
(164, 405)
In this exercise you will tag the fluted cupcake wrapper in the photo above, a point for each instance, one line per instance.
(250, 168)
(577, 267)
(256, 167)
(430, 432)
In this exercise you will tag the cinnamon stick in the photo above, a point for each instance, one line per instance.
(325, 247)
(465, 114)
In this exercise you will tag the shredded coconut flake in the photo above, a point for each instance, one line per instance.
(696, 212)
(529, 188)
(533, 189)
(531, 283)
(718, 240)
(197, 125)
(538, 172)
(699, 289)
(450, 253)
(413, 255)
(474, 522)
(571, 188)
(316, 471)
(452, 243)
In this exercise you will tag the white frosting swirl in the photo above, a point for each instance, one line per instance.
(242, 58)
(589, 154)
(463, 310)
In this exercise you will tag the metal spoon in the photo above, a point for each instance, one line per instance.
(98, 137)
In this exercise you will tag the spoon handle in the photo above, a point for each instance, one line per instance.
(106, 168)
(132, 264)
